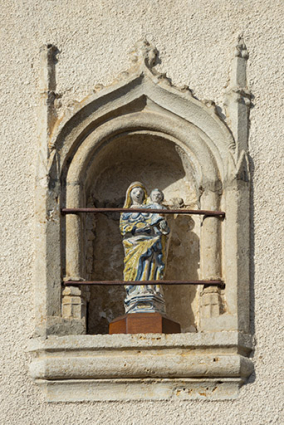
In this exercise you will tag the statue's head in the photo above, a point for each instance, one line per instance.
(135, 194)
(157, 196)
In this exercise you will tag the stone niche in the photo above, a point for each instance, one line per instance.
(142, 128)
(157, 162)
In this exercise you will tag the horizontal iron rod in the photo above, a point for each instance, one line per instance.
(136, 210)
(146, 282)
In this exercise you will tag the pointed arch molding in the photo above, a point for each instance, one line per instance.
(177, 107)
(73, 366)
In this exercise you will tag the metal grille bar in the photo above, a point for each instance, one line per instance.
(207, 213)
(217, 282)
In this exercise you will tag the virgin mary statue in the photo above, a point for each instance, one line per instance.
(144, 241)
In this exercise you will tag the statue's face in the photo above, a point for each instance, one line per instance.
(156, 197)
(137, 195)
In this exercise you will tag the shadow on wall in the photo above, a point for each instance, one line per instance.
(183, 263)
(157, 163)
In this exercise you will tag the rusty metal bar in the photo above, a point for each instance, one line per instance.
(216, 282)
(207, 213)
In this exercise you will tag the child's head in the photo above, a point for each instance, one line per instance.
(157, 196)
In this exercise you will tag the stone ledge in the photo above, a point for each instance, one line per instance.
(155, 364)
(132, 367)
(189, 340)
(148, 389)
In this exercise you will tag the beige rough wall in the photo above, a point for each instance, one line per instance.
(195, 39)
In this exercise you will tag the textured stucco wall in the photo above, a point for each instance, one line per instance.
(196, 42)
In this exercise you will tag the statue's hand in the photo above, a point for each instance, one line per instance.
(164, 227)
(145, 229)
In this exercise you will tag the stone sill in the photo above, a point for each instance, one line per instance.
(133, 367)
(95, 342)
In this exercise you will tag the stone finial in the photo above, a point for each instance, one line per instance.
(237, 100)
(48, 54)
(241, 48)
(239, 74)
(144, 57)
(144, 52)
(47, 83)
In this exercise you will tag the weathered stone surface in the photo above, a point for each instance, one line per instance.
(196, 44)
(101, 365)
(142, 127)
(149, 389)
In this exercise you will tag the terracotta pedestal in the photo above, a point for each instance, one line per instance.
(144, 323)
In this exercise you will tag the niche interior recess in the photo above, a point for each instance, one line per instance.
(142, 128)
